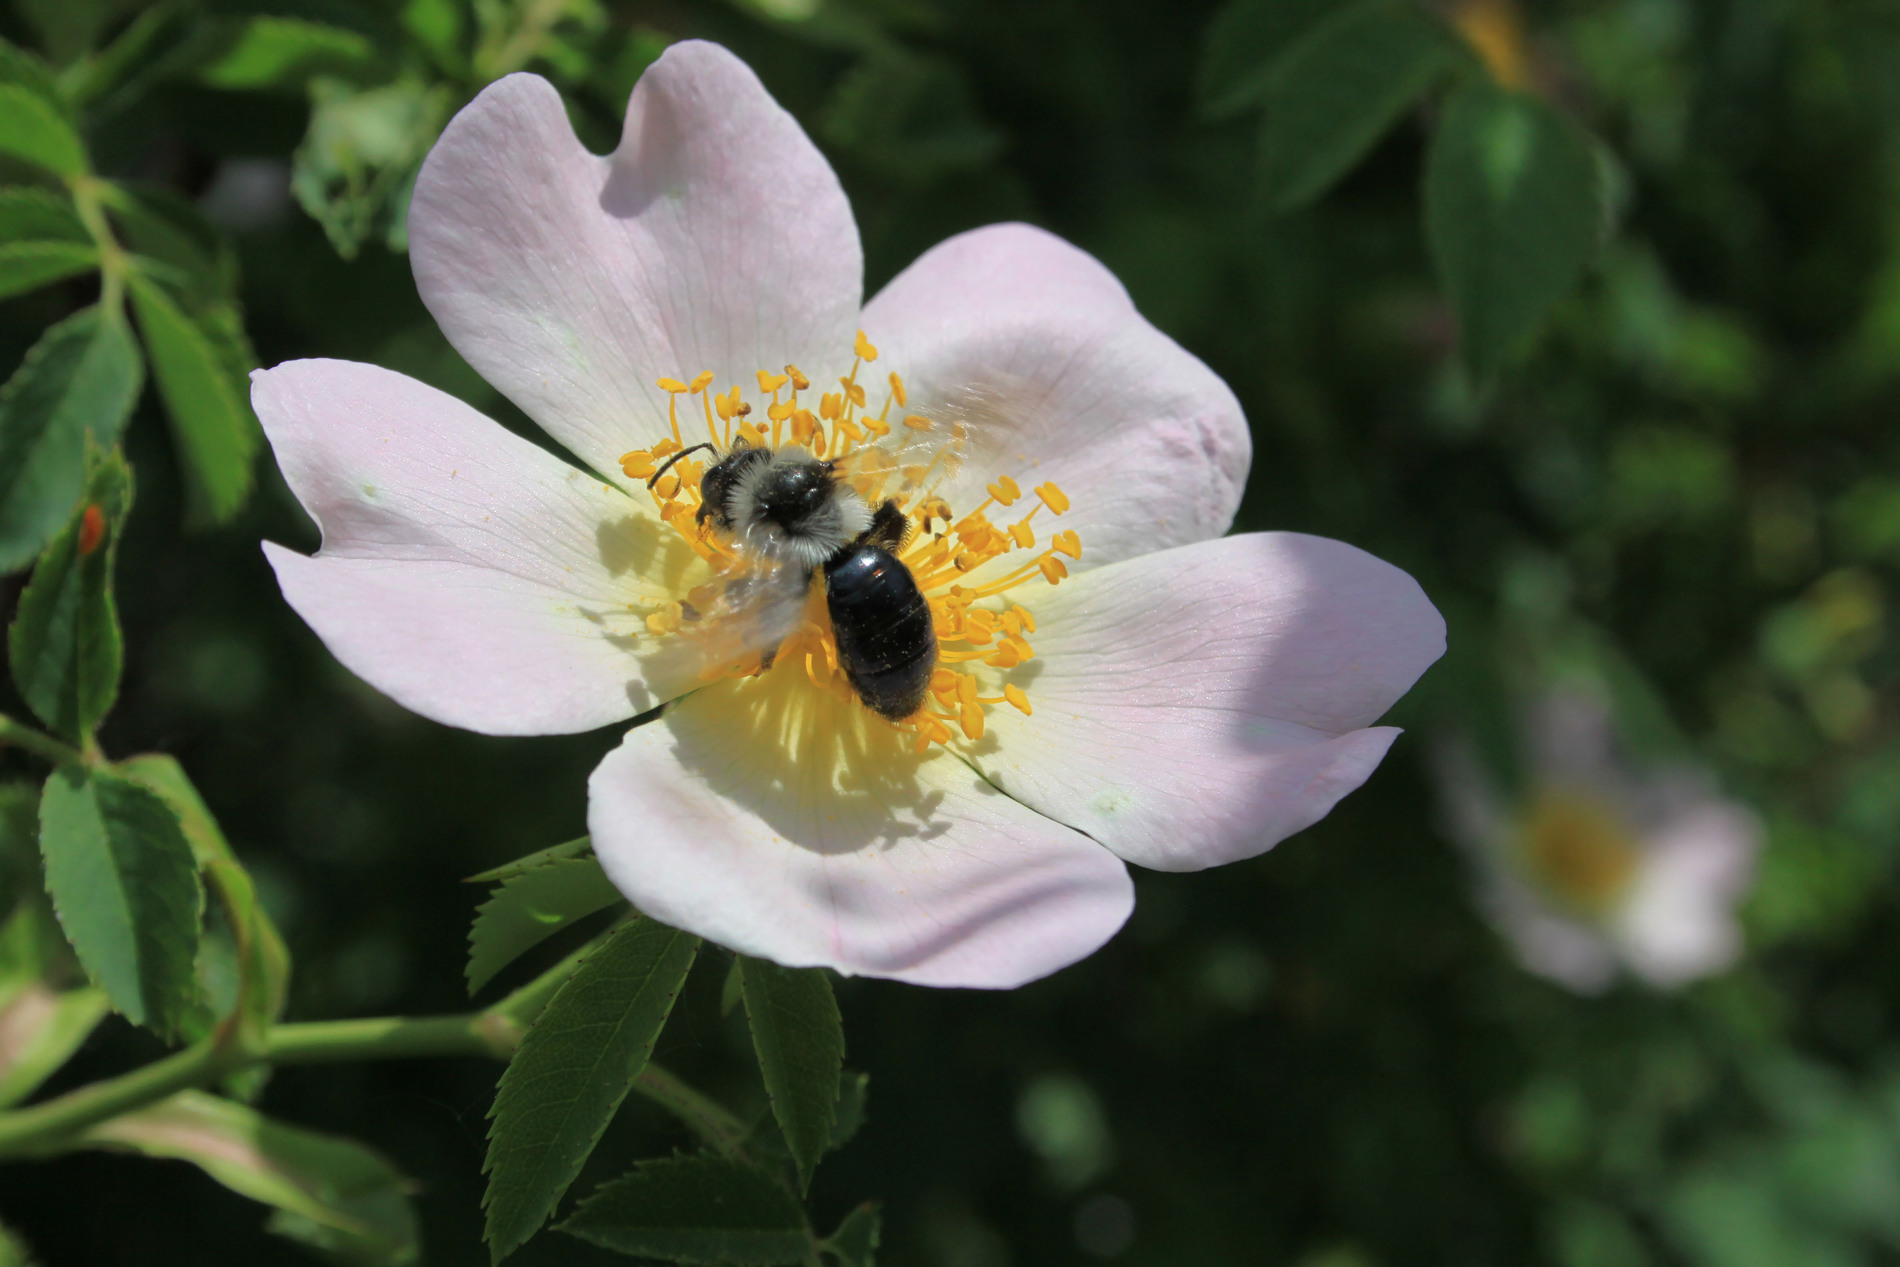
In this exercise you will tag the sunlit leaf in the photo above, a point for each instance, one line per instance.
(1338, 90)
(83, 376)
(799, 1038)
(581, 848)
(575, 1065)
(331, 1193)
(126, 889)
(531, 907)
(1513, 212)
(198, 363)
(269, 51)
(695, 1210)
(64, 642)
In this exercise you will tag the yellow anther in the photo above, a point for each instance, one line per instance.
(939, 733)
(739, 409)
(668, 487)
(1022, 649)
(723, 404)
(754, 436)
(770, 382)
(1024, 535)
(915, 475)
(965, 561)
(1069, 543)
(897, 390)
(966, 690)
(923, 740)
(983, 620)
(664, 447)
(830, 405)
(780, 412)
(854, 391)
(799, 381)
(804, 426)
(1005, 657)
(670, 385)
(637, 466)
(846, 427)
(972, 719)
(1004, 491)
(863, 348)
(1053, 569)
(1012, 624)
(1052, 497)
(917, 422)
(665, 620)
(878, 427)
(1017, 700)
(701, 381)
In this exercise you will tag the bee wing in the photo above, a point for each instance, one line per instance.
(971, 420)
(741, 617)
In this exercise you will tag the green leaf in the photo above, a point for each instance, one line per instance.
(82, 376)
(199, 367)
(1514, 210)
(581, 848)
(64, 642)
(27, 266)
(695, 1210)
(854, 1091)
(285, 52)
(40, 1029)
(35, 129)
(529, 908)
(358, 160)
(855, 1242)
(1243, 44)
(126, 891)
(331, 1193)
(575, 1065)
(13, 1250)
(1340, 88)
(159, 225)
(799, 1038)
(39, 215)
(19, 846)
(68, 28)
(732, 991)
(263, 962)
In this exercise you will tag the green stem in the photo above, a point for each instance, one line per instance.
(36, 742)
(48, 1127)
(113, 264)
(709, 1119)
(390, 1038)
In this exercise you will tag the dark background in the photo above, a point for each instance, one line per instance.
(1321, 1056)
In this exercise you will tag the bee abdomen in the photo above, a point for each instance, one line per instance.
(887, 644)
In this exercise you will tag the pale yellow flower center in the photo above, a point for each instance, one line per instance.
(1579, 849)
(973, 625)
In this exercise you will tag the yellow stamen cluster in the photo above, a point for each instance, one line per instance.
(1578, 849)
(973, 627)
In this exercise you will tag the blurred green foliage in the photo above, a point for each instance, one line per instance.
(1683, 470)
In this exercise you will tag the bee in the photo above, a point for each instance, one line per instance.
(791, 516)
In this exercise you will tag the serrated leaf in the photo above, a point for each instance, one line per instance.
(196, 365)
(40, 1029)
(82, 376)
(732, 990)
(125, 889)
(574, 1067)
(581, 848)
(1241, 46)
(695, 1210)
(32, 128)
(157, 224)
(799, 1038)
(1340, 88)
(329, 1192)
(1513, 212)
(64, 643)
(261, 959)
(529, 908)
(270, 51)
(38, 215)
(855, 1242)
(27, 266)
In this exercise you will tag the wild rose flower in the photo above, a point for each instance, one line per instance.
(1603, 864)
(1116, 682)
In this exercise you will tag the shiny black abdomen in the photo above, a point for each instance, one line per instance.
(887, 643)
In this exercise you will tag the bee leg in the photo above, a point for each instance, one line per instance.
(889, 530)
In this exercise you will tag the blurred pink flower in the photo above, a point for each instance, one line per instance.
(1195, 698)
(1603, 865)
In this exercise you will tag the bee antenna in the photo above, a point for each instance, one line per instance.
(667, 465)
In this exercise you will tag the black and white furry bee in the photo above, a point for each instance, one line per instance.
(789, 514)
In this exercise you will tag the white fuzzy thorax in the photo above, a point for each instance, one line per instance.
(842, 518)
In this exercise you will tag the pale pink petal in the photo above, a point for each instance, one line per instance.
(1679, 923)
(466, 573)
(1571, 953)
(1039, 344)
(715, 238)
(1198, 705)
(785, 823)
